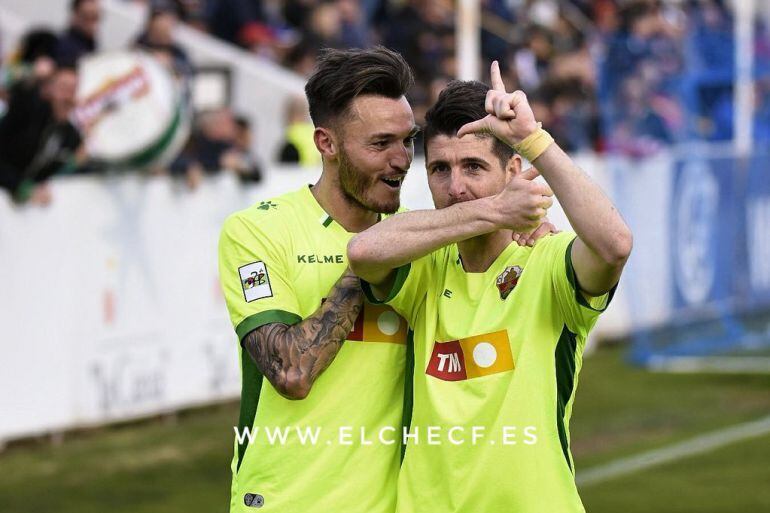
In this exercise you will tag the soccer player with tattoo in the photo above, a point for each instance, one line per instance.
(298, 312)
(499, 329)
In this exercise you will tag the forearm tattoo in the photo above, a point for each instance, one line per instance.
(292, 357)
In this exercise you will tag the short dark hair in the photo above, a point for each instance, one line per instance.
(342, 75)
(459, 103)
(75, 4)
(37, 43)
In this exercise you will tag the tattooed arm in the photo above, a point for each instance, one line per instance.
(292, 357)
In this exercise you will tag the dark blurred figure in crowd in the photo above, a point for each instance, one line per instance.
(642, 80)
(37, 139)
(219, 142)
(302, 57)
(570, 113)
(533, 60)
(80, 38)
(423, 32)
(298, 146)
(638, 129)
(242, 159)
(34, 60)
(630, 44)
(158, 37)
(712, 56)
(762, 112)
(235, 21)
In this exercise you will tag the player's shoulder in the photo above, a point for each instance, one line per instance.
(272, 216)
(443, 258)
(549, 251)
(554, 242)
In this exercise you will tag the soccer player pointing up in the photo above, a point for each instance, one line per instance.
(499, 329)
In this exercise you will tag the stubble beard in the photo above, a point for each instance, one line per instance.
(354, 185)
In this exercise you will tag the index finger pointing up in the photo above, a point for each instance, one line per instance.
(497, 80)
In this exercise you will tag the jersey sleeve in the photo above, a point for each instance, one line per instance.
(409, 289)
(580, 312)
(255, 275)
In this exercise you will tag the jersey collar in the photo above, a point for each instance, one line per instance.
(501, 259)
(324, 219)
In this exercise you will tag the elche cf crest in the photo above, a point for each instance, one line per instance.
(507, 280)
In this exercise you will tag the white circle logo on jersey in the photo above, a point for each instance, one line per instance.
(388, 323)
(484, 354)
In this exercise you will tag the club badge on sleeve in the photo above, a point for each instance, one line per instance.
(255, 281)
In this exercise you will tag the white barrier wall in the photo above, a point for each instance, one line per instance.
(110, 302)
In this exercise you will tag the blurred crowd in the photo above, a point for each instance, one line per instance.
(668, 73)
(38, 86)
(610, 75)
(624, 76)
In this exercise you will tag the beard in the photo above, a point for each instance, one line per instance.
(357, 188)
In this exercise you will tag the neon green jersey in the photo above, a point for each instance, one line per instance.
(277, 261)
(496, 361)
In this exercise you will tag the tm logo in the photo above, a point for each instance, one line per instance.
(451, 361)
(447, 361)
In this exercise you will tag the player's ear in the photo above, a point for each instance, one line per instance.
(513, 167)
(326, 142)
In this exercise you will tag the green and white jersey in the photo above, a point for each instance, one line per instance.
(496, 362)
(277, 261)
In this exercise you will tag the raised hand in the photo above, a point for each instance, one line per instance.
(545, 228)
(509, 116)
(523, 204)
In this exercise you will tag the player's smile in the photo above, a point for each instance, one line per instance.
(394, 181)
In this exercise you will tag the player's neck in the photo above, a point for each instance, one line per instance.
(480, 252)
(350, 215)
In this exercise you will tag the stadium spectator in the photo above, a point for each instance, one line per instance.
(158, 37)
(298, 146)
(355, 33)
(532, 61)
(214, 136)
(241, 158)
(190, 12)
(37, 140)
(219, 142)
(33, 60)
(711, 58)
(80, 38)
(762, 112)
(235, 21)
(423, 32)
(641, 78)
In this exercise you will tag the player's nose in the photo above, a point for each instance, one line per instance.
(457, 188)
(401, 158)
